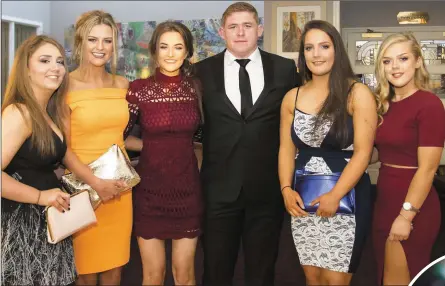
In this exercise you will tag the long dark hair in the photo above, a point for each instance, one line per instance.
(172, 26)
(341, 75)
(187, 68)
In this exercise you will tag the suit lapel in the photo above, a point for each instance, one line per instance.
(219, 81)
(268, 80)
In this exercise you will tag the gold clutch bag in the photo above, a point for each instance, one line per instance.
(61, 225)
(113, 164)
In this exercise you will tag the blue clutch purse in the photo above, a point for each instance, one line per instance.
(311, 186)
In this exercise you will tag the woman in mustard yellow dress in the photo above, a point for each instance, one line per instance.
(99, 115)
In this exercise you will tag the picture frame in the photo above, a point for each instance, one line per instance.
(282, 41)
(290, 24)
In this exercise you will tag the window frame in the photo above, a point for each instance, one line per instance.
(11, 40)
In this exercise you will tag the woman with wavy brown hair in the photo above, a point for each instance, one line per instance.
(99, 114)
(168, 203)
(410, 140)
(33, 143)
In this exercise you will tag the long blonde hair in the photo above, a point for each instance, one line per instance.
(83, 27)
(384, 90)
(19, 93)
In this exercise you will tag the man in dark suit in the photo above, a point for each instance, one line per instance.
(242, 90)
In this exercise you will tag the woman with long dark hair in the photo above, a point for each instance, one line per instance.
(332, 121)
(167, 202)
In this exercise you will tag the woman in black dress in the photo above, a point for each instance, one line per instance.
(33, 120)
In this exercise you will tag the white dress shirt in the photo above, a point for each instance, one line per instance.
(231, 77)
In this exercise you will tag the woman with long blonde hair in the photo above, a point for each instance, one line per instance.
(99, 115)
(410, 139)
(33, 143)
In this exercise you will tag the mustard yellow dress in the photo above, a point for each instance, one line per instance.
(98, 119)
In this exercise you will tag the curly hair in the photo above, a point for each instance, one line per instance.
(384, 91)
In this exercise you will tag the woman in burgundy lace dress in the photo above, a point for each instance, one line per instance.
(167, 202)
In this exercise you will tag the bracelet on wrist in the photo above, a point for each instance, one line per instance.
(402, 215)
(38, 198)
(282, 189)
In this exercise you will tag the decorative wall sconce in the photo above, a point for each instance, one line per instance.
(413, 17)
(372, 34)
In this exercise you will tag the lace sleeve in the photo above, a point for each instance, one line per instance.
(197, 137)
(133, 106)
(197, 85)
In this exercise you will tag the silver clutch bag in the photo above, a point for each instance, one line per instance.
(113, 164)
(61, 225)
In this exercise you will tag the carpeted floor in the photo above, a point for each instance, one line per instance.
(288, 270)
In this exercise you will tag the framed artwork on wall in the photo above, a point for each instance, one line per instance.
(290, 24)
(285, 21)
(133, 44)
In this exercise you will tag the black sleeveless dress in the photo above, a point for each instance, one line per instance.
(27, 257)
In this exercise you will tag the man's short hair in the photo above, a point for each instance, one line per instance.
(239, 7)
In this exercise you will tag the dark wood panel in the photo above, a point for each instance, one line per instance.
(23, 32)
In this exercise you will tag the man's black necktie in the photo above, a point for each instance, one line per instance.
(244, 87)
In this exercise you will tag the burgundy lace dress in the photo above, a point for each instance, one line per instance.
(168, 202)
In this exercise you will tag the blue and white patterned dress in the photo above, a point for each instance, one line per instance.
(332, 243)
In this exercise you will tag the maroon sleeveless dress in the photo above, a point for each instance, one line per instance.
(168, 202)
(416, 121)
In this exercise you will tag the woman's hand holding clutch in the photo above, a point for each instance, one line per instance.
(329, 204)
(109, 189)
(56, 198)
(293, 202)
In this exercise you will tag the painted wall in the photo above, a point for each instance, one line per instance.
(64, 13)
(39, 11)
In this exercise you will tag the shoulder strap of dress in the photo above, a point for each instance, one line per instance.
(296, 96)
(350, 87)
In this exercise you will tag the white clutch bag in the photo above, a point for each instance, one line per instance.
(61, 225)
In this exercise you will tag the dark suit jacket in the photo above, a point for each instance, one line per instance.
(243, 154)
